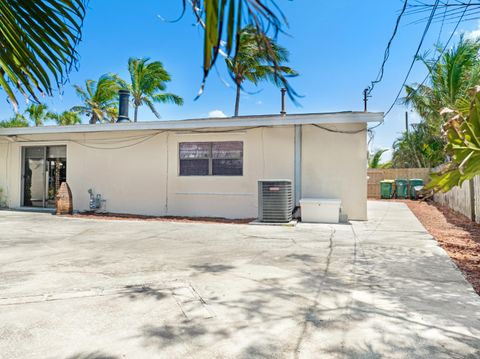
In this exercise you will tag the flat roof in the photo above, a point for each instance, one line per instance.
(205, 123)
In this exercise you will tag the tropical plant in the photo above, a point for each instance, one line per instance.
(37, 44)
(66, 118)
(99, 99)
(223, 20)
(418, 148)
(450, 78)
(18, 120)
(375, 158)
(38, 114)
(462, 132)
(253, 61)
(148, 81)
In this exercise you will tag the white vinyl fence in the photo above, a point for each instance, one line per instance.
(464, 199)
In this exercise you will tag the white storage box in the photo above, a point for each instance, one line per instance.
(320, 210)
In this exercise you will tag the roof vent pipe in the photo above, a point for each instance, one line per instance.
(283, 112)
(123, 99)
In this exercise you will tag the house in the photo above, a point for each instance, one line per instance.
(198, 167)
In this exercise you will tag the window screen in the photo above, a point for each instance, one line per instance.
(211, 158)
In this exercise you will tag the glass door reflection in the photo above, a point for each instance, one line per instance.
(44, 169)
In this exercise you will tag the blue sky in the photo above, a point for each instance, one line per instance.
(336, 46)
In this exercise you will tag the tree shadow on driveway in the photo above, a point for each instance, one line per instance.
(93, 355)
(135, 292)
(212, 268)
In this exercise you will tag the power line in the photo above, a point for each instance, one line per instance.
(434, 64)
(346, 132)
(453, 10)
(386, 54)
(441, 26)
(443, 50)
(427, 27)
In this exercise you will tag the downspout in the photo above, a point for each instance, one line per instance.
(297, 179)
(167, 176)
(297, 159)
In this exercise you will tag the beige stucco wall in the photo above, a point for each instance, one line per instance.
(335, 166)
(130, 179)
(143, 178)
(3, 170)
(10, 171)
(268, 153)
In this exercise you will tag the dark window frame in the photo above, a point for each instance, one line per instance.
(210, 157)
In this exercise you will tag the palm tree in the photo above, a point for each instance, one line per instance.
(37, 51)
(18, 120)
(450, 79)
(222, 22)
(420, 147)
(38, 114)
(66, 118)
(99, 99)
(38, 44)
(147, 85)
(258, 59)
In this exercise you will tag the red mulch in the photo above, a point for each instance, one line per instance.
(458, 236)
(134, 217)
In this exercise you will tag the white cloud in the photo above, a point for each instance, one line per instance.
(259, 102)
(472, 35)
(216, 113)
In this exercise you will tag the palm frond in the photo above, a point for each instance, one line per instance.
(98, 98)
(223, 20)
(450, 78)
(37, 113)
(38, 44)
(18, 120)
(167, 98)
(148, 81)
(259, 58)
(66, 118)
(374, 161)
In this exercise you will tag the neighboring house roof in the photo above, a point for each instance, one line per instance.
(204, 123)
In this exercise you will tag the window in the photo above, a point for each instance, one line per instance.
(211, 158)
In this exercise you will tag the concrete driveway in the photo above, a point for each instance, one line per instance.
(76, 288)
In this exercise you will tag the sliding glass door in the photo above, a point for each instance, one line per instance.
(44, 169)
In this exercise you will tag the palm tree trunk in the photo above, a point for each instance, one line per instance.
(135, 114)
(93, 119)
(237, 100)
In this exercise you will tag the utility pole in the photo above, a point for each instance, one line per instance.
(365, 99)
(406, 122)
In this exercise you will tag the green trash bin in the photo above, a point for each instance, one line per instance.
(386, 189)
(401, 188)
(415, 182)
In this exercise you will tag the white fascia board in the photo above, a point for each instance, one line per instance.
(234, 122)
